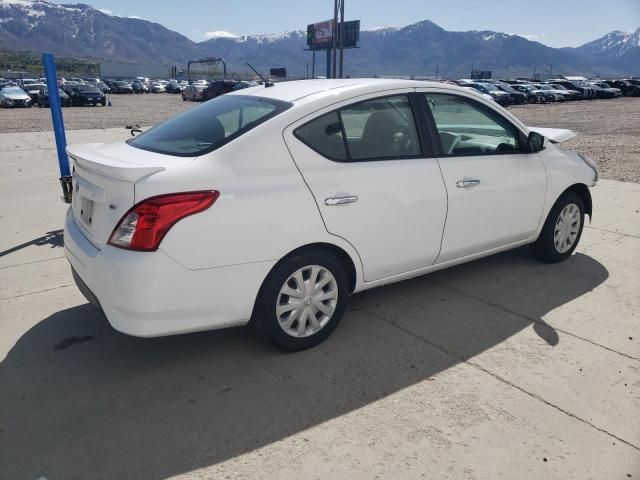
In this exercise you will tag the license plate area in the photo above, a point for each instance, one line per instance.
(86, 211)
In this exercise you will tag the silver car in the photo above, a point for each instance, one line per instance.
(194, 92)
(14, 97)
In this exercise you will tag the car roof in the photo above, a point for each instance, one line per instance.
(296, 90)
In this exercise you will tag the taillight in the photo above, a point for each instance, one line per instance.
(144, 226)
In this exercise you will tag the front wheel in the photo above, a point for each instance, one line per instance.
(302, 300)
(561, 231)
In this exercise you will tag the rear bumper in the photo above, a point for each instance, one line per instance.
(148, 294)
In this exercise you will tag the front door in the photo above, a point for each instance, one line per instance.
(375, 182)
(496, 191)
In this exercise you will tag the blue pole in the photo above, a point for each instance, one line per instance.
(58, 124)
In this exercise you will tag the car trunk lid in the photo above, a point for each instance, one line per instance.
(104, 181)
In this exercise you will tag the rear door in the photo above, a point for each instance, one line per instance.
(496, 191)
(375, 180)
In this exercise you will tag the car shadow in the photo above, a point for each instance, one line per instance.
(80, 400)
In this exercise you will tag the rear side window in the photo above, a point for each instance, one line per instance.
(378, 129)
(209, 126)
(324, 135)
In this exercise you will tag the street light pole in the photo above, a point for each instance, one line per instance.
(341, 36)
(335, 34)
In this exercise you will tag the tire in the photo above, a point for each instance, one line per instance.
(183, 98)
(546, 248)
(289, 333)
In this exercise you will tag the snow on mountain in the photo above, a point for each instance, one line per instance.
(615, 43)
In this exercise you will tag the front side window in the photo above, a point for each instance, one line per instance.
(466, 127)
(381, 128)
(208, 126)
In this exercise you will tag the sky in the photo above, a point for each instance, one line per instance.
(557, 23)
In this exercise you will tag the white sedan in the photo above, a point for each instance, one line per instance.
(271, 205)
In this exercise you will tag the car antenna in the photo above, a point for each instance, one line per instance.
(266, 83)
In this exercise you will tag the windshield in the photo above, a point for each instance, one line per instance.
(506, 88)
(12, 90)
(558, 87)
(87, 88)
(490, 87)
(208, 126)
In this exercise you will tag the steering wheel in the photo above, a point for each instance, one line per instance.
(504, 147)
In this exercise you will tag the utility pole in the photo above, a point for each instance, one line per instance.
(341, 36)
(335, 34)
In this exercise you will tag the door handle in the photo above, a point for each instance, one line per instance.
(329, 202)
(467, 183)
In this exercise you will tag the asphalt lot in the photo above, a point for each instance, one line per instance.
(501, 368)
(600, 124)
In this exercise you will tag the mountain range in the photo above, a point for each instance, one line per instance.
(422, 48)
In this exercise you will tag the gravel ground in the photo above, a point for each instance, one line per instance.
(608, 130)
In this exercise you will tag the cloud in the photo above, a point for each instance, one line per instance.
(532, 36)
(106, 11)
(219, 34)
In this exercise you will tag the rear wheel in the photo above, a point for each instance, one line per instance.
(302, 300)
(561, 231)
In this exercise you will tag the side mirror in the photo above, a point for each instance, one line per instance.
(535, 142)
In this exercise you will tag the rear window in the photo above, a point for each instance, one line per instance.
(208, 126)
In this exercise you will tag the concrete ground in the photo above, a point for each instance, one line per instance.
(501, 368)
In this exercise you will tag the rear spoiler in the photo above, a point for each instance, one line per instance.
(554, 135)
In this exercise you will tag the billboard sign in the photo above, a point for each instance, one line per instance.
(481, 74)
(279, 73)
(320, 35)
(351, 31)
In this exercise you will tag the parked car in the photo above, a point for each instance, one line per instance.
(14, 97)
(627, 87)
(139, 87)
(533, 95)
(557, 95)
(219, 87)
(186, 242)
(25, 82)
(588, 93)
(193, 92)
(501, 97)
(32, 90)
(69, 86)
(515, 97)
(605, 86)
(104, 87)
(157, 87)
(121, 87)
(601, 92)
(486, 96)
(43, 98)
(174, 87)
(87, 94)
(573, 94)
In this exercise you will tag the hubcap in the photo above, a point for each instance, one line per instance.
(567, 227)
(306, 301)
